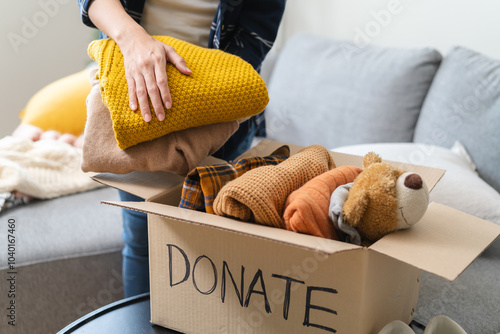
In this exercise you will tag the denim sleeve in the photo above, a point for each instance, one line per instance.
(255, 30)
(84, 12)
(132, 7)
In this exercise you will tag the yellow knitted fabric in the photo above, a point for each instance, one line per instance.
(222, 88)
(259, 195)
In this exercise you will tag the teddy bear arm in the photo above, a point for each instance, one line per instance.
(355, 207)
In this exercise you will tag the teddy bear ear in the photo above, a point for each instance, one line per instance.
(371, 158)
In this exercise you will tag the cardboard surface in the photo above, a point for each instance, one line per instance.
(211, 274)
(148, 185)
(209, 280)
(444, 242)
(264, 232)
(392, 286)
(431, 176)
(142, 184)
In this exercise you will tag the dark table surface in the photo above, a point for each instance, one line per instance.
(132, 316)
(127, 316)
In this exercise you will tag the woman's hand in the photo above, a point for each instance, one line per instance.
(145, 58)
(145, 61)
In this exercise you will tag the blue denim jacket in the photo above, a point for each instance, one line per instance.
(246, 28)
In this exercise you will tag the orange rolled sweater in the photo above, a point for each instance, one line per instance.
(259, 195)
(306, 209)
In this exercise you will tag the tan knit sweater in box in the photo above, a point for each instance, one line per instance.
(260, 194)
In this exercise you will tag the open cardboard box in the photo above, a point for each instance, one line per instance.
(211, 274)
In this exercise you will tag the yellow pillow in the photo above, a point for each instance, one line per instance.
(60, 105)
(222, 88)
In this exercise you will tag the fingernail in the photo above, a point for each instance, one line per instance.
(147, 117)
(133, 106)
(187, 68)
(168, 104)
(160, 117)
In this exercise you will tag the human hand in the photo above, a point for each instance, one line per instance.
(145, 60)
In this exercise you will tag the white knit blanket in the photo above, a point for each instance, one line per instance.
(43, 169)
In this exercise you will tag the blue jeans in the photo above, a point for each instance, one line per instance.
(135, 265)
(135, 224)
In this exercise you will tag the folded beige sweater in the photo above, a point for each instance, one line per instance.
(259, 195)
(177, 152)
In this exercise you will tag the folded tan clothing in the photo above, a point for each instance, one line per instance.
(259, 195)
(306, 209)
(177, 152)
(223, 87)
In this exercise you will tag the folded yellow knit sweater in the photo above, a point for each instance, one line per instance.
(222, 88)
(259, 195)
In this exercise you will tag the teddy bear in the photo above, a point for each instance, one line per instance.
(381, 200)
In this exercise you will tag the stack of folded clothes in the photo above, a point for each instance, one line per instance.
(279, 190)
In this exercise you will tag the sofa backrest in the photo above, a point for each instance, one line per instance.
(463, 104)
(336, 93)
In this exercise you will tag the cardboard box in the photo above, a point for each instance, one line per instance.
(211, 274)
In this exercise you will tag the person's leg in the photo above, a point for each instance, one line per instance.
(135, 252)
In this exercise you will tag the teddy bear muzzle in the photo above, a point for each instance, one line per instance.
(413, 197)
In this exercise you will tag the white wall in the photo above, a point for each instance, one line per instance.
(41, 41)
(410, 23)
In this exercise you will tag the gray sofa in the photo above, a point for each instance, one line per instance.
(67, 260)
(415, 105)
(410, 105)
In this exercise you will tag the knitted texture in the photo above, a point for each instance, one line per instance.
(306, 209)
(222, 88)
(259, 195)
(42, 169)
(177, 152)
(203, 183)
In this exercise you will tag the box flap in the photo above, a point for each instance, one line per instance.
(430, 175)
(269, 233)
(265, 147)
(444, 242)
(147, 185)
(142, 184)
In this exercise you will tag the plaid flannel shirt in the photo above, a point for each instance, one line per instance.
(203, 183)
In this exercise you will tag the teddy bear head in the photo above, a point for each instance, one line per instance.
(384, 199)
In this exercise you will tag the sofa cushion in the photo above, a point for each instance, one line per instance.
(460, 187)
(334, 93)
(67, 256)
(81, 225)
(464, 104)
(60, 105)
